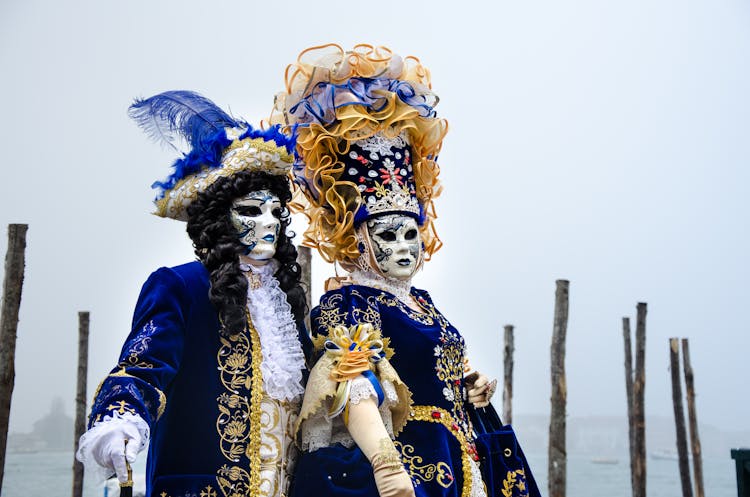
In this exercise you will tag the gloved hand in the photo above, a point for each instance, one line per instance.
(391, 478)
(367, 429)
(479, 389)
(110, 451)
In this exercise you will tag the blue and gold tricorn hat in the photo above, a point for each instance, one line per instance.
(219, 146)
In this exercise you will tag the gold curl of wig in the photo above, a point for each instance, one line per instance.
(331, 201)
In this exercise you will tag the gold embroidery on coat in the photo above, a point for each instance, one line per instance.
(122, 407)
(239, 359)
(256, 397)
(234, 406)
(162, 397)
(208, 492)
(234, 481)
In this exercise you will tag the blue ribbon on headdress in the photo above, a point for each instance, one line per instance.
(321, 103)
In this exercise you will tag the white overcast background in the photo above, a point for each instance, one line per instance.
(601, 142)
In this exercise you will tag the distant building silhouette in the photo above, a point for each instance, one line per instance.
(54, 431)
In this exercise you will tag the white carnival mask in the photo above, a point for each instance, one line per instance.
(396, 244)
(257, 219)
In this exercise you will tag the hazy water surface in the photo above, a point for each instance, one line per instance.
(45, 474)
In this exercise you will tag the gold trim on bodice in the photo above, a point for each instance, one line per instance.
(432, 414)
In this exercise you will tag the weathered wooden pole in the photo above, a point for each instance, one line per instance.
(304, 259)
(508, 370)
(679, 417)
(629, 394)
(557, 454)
(695, 442)
(80, 423)
(12, 285)
(639, 389)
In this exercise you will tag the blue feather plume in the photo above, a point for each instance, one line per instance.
(171, 115)
(167, 116)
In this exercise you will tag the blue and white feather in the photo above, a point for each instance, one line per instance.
(172, 115)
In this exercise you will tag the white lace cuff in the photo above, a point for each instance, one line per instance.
(321, 431)
(362, 388)
(101, 429)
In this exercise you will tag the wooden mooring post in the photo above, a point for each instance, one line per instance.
(80, 422)
(695, 442)
(679, 417)
(304, 259)
(639, 389)
(508, 375)
(557, 453)
(629, 394)
(15, 260)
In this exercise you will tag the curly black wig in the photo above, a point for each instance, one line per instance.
(218, 248)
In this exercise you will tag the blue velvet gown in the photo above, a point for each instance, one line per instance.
(200, 391)
(436, 443)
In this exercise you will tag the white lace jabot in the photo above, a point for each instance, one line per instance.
(283, 360)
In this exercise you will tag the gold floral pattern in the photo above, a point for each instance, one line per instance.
(330, 313)
(370, 315)
(239, 359)
(440, 472)
(449, 368)
(234, 481)
(428, 316)
(234, 405)
(516, 479)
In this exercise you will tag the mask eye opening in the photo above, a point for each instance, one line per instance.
(387, 236)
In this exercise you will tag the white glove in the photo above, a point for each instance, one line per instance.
(105, 444)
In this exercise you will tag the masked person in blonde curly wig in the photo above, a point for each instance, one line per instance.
(384, 410)
(211, 373)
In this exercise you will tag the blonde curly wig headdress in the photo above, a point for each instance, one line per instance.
(352, 109)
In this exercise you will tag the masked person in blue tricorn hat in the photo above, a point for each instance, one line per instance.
(211, 375)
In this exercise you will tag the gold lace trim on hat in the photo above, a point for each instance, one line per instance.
(249, 154)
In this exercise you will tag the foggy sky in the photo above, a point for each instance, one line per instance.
(601, 142)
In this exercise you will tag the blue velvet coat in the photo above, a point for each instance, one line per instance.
(436, 443)
(194, 387)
